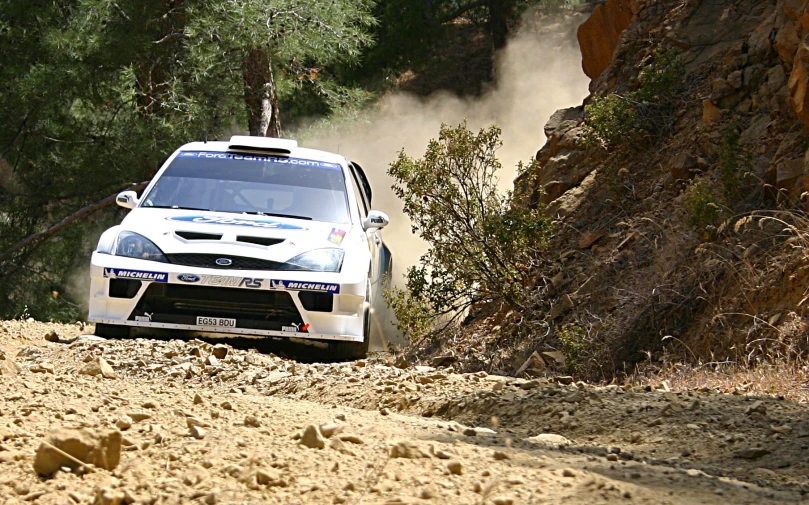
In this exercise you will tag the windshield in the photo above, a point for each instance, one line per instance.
(254, 184)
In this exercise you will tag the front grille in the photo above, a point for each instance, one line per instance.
(255, 309)
(209, 261)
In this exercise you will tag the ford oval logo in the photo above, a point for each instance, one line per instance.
(188, 278)
(224, 262)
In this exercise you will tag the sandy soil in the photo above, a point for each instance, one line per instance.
(238, 429)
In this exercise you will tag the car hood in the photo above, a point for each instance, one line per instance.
(191, 231)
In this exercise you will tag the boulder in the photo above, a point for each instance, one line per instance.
(798, 82)
(599, 35)
(101, 448)
(98, 366)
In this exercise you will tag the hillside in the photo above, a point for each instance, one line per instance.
(682, 237)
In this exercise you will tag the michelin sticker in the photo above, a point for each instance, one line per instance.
(255, 223)
(120, 273)
(305, 286)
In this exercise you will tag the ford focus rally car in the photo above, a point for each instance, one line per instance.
(255, 236)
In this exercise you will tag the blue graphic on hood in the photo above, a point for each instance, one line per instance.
(255, 223)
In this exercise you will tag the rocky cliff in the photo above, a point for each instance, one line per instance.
(693, 241)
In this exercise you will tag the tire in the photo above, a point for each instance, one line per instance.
(349, 351)
(112, 330)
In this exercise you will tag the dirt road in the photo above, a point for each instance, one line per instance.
(216, 424)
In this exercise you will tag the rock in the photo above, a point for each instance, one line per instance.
(798, 83)
(95, 447)
(758, 407)
(220, 351)
(564, 306)
(470, 432)
(124, 422)
(564, 379)
(267, 476)
(752, 453)
(198, 399)
(500, 455)
(52, 336)
(455, 468)
(312, 438)
(139, 416)
(384, 411)
(710, 112)
(444, 360)
(98, 366)
(191, 421)
(350, 437)
(549, 440)
(252, 421)
(589, 238)
(599, 35)
(211, 360)
(43, 367)
(109, 496)
(532, 384)
(567, 472)
(197, 432)
(226, 405)
(8, 367)
(406, 450)
(533, 366)
(682, 166)
(328, 430)
(502, 500)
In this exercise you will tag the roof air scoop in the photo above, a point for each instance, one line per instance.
(261, 145)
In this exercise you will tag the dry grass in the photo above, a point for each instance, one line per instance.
(783, 378)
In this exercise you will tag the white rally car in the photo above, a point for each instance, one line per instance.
(255, 236)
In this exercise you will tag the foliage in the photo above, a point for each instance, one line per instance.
(702, 207)
(734, 166)
(574, 342)
(637, 118)
(481, 244)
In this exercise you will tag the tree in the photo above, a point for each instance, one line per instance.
(96, 93)
(482, 245)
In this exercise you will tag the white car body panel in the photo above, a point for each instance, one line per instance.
(348, 287)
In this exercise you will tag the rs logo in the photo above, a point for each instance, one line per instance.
(251, 283)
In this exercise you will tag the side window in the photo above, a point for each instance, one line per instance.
(359, 194)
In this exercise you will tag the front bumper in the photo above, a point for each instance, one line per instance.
(147, 294)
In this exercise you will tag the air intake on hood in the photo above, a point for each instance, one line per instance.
(259, 240)
(193, 235)
(261, 145)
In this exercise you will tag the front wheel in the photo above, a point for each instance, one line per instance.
(348, 351)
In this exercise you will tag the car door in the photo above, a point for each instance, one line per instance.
(362, 192)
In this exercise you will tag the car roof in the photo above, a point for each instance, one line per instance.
(267, 146)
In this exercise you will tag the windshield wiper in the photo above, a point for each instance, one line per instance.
(175, 207)
(257, 213)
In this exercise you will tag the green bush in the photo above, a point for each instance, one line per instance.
(482, 244)
(574, 343)
(702, 207)
(635, 119)
(735, 165)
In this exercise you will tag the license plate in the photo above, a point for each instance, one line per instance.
(217, 322)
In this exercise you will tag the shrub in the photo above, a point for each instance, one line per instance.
(481, 244)
(735, 165)
(635, 119)
(574, 343)
(702, 207)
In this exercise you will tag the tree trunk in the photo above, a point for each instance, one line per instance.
(499, 16)
(259, 94)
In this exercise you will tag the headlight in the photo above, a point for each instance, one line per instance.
(319, 260)
(132, 245)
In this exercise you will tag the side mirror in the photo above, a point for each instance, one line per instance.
(127, 199)
(375, 219)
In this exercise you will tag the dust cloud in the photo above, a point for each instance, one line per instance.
(538, 72)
